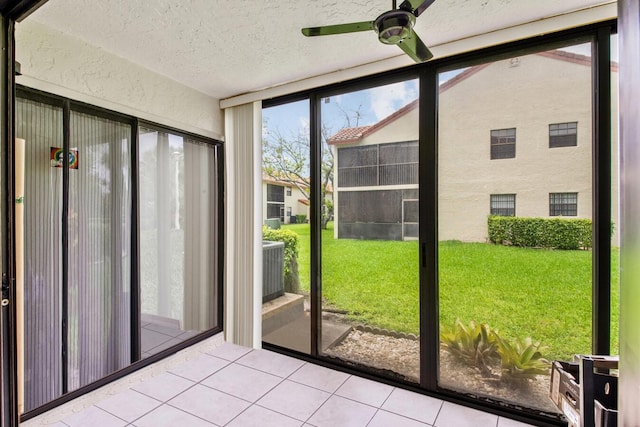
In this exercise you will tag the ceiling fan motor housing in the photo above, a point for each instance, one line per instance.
(394, 26)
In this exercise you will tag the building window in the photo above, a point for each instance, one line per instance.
(503, 143)
(503, 204)
(288, 191)
(563, 135)
(563, 204)
(275, 201)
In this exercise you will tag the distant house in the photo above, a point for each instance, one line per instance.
(523, 149)
(283, 200)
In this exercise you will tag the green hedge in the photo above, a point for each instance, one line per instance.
(290, 239)
(556, 233)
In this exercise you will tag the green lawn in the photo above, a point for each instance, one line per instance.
(520, 292)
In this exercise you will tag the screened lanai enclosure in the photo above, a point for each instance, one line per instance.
(387, 207)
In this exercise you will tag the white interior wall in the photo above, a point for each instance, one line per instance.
(57, 63)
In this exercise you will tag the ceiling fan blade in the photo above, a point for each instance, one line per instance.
(338, 29)
(416, 6)
(414, 47)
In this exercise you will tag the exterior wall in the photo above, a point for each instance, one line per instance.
(405, 128)
(58, 63)
(530, 96)
(527, 94)
(537, 92)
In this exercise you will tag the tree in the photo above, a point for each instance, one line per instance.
(286, 158)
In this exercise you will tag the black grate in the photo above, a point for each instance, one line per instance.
(563, 204)
(503, 204)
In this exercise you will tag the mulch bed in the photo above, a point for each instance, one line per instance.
(399, 353)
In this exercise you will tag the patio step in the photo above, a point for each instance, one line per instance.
(296, 334)
(281, 311)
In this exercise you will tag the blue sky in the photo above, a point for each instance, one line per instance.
(372, 104)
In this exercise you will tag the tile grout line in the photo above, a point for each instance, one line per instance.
(114, 415)
(438, 414)
(189, 413)
(146, 413)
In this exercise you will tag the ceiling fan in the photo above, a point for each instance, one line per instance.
(393, 27)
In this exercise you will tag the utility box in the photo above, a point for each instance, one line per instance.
(272, 270)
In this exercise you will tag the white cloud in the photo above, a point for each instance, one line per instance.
(304, 122)
(386, 100)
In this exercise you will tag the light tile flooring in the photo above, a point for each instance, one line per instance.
(156, 337)
(229, 385)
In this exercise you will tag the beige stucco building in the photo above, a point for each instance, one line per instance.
(283, 200)
(514, 138)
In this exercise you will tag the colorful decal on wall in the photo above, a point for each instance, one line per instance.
(57, 157)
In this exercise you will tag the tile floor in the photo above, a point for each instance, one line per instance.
(156, 337)
(229, 385)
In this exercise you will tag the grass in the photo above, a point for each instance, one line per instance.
(520, 292)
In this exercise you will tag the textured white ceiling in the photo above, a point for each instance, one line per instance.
(227, 48)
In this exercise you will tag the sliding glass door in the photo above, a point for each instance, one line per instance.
(286, 207)
(369, 244)
(179, 196)
(465, 234)
(118, 238)
(515, 222)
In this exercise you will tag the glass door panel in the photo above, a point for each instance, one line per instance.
(178, 238)
(514, 223)
(370, 266)
(286, 246)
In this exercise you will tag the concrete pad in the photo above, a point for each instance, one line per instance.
(281, 311)
(296, 335)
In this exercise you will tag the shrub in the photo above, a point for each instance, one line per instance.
(521, 360)
(479, 346)
(301, 218)
(475, 345)
(290, 240)
(555, 233)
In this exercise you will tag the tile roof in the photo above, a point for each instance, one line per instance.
(346, 135)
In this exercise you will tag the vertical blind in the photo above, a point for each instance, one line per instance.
(99, 236)
(178, 179)
(41, 126)
(98, 250)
